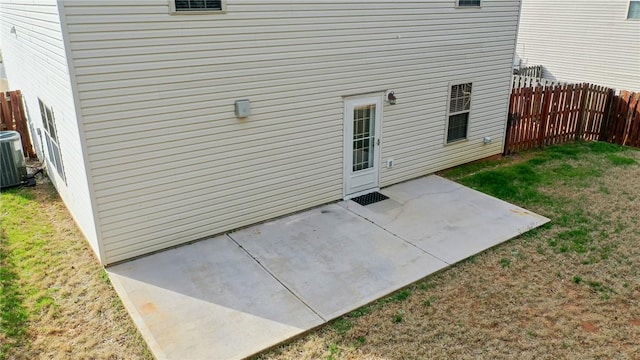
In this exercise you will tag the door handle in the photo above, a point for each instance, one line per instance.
(378, 143)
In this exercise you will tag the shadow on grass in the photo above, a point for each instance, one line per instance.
(19, 191)
(13, 323)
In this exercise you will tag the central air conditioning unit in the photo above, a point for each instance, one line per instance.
(13, 168)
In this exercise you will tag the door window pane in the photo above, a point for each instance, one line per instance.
(363, 137)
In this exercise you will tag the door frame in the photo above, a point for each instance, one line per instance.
(347, 148)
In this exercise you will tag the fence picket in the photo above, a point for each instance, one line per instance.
(575, 113)
(15, 118)
(631, 136)
(6, 119)
(524, 107)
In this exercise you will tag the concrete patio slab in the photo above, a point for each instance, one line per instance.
(446, 219)
(208, 300)
(333, 260)
(232, 296)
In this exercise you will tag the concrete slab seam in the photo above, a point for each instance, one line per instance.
(396, 235)
(276, 278)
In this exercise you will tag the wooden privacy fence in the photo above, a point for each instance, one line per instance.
(13, 117)
(540, 116)
(623, 124)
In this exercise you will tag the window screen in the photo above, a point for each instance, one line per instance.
(51, 138)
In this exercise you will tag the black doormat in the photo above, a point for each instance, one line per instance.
(370, 198)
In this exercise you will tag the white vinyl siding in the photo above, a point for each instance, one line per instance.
(171, 162)
(36, 64)
(593, 42)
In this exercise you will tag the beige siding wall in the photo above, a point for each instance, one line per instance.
(36, 64)
(591, 41)
(172, 164)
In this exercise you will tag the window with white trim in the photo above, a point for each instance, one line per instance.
(191, 6)
(468, 3)
(51, 138)
(634, 10)
(459, 110)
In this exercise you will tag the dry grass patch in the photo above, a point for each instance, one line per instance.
(569, 290)
(57, 302)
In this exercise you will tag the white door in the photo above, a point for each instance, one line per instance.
(362, 119)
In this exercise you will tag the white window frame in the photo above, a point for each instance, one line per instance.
(629, 11)
(174, 11)
(52, 140)
(453, 113)
(468, 6)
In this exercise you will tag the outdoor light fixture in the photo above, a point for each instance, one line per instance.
(391, 98)
(13, 30)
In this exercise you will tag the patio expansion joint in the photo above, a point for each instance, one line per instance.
(276, 278)
(398, 236)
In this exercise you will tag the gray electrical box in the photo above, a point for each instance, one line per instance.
(243, 108)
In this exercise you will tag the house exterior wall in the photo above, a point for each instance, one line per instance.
(591, 42)
(36, 63)
(172, 164)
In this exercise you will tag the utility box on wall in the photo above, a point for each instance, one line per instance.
(243, 108)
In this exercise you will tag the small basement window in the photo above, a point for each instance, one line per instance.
(197, 6)
(634, 10)
(459, 109)
(468, 3)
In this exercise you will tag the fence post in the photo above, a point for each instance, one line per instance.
(619, 117)
(629, 115)
(6, 119)
(16, 119)
(508, 136)
(547, 96)
(635, 122)
(605, 126)
(583, 112)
